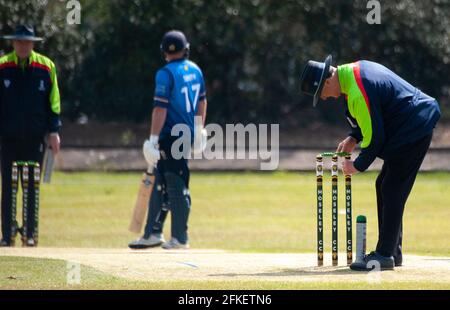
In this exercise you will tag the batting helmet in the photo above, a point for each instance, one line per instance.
(173, 42)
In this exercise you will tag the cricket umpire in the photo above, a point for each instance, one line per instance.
(179, 99)
(29, 116)
(393, 120)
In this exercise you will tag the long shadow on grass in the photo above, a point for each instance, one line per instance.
(308, 271)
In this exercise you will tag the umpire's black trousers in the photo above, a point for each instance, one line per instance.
(18, 150)
(393, 187)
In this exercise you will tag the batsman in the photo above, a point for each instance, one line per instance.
(180, 99)
(392, 120)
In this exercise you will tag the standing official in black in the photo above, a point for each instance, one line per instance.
(29, 117)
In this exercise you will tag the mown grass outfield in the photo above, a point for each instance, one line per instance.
(231, 212)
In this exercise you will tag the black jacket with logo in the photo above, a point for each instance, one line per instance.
(29, 97)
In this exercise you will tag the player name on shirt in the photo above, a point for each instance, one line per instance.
(189, 77)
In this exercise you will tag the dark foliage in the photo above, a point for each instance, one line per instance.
(252, 52)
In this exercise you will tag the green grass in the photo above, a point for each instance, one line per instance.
(18, 273)
(243, 212)
(249, 212)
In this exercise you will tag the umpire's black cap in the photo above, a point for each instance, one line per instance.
(174, 41)
(23, 32)
(314, 76)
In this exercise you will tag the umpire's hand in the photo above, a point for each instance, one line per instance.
(348, 145)
(54, 142)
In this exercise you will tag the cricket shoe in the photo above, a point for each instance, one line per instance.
(5, 244)
(398, 260)
(143, 243)
(174, 244)
(374, 261)
(30, 243)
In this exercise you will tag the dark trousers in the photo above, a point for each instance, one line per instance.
(393, 186)
(18, 150)
(171, 192)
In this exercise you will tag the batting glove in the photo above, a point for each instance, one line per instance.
(200, 139)
(151, 151)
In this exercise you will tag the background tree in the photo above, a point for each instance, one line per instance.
(252, 52)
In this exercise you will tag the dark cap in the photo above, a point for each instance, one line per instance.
(314, 76)
(173, 42)
(23, 32)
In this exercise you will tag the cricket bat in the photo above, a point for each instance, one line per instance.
(143, 198)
